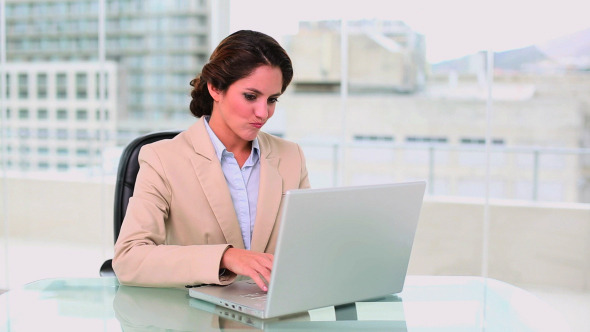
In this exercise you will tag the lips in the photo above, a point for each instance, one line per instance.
(257, 125)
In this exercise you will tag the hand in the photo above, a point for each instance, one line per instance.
(248, 263)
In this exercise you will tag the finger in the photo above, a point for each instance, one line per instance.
(266, 280)
(265, 269)
(261, 274)
(265, 275)
(267, 262)
(261, 284)
(264, 263)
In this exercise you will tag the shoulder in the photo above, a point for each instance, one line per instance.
(165, 146)
(167, 152)
(287, 157)
(275, 143)
(272, 146)
(186, 143)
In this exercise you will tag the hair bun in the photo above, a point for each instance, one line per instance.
(202, 102)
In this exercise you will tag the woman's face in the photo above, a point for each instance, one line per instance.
(240, 111)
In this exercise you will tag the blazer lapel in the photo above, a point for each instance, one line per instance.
(208, 170)
(269, 197)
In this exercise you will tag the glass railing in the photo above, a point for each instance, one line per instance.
(520, 173)
(516, 173)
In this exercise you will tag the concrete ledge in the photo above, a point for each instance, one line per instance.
(68, 211)
(544, 244)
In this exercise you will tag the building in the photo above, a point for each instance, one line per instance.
(158, 46)
(55, 117)
(383, 55)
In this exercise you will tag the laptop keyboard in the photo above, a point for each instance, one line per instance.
(256, 295)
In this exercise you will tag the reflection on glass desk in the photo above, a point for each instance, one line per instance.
(426, 304)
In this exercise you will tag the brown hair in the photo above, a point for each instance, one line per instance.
(236, 57)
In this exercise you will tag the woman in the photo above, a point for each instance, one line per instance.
(206, 204)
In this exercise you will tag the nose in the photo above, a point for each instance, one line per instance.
(261, 111)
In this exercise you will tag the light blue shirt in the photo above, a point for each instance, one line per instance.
(243, 183)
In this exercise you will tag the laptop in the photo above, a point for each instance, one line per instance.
(335, 246)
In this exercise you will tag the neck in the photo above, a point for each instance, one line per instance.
(230, 140)
(242, 147)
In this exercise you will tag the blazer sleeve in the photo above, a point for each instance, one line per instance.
(142, 256)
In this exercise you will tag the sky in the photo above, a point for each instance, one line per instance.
(452, 28)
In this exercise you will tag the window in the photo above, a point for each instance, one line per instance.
(374, 138)
(201, 21)
(82, 134)
(24, 149)
(42, 86)
(201, 59)
(136, 98)
(426, 139)
(81, 86)
(106, 86)
(8, 85)
(62, 114)
(24, 165)
(43, 165)
(82, 152)
(137, 79)
(42, 114)
(62, 134)
(81, 115)
(62, 151)
(43, 150)
(23, 114)
(98, 115)
(159, 80)
(158, 99)
(23, 86)
(61, 86)
(480, 141)
(42, 133)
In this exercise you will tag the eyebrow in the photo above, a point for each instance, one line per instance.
(260, 92)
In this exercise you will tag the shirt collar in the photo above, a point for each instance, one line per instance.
(220, 148)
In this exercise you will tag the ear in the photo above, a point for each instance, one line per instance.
(215, 94)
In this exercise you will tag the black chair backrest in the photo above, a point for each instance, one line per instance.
(127, 172)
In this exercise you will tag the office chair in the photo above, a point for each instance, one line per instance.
(126, 174)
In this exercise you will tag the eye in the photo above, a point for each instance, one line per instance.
(250, 96)
(273, 100)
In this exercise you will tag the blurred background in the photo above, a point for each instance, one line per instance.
(487, 101)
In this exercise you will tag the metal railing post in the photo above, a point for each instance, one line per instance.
(431, 152)
(536, 153)
(335, 161)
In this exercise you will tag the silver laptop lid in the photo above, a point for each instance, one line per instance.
(340, 245)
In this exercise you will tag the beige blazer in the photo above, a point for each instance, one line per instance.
(181, 218)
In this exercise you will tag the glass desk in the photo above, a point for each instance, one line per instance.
(426, 304)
